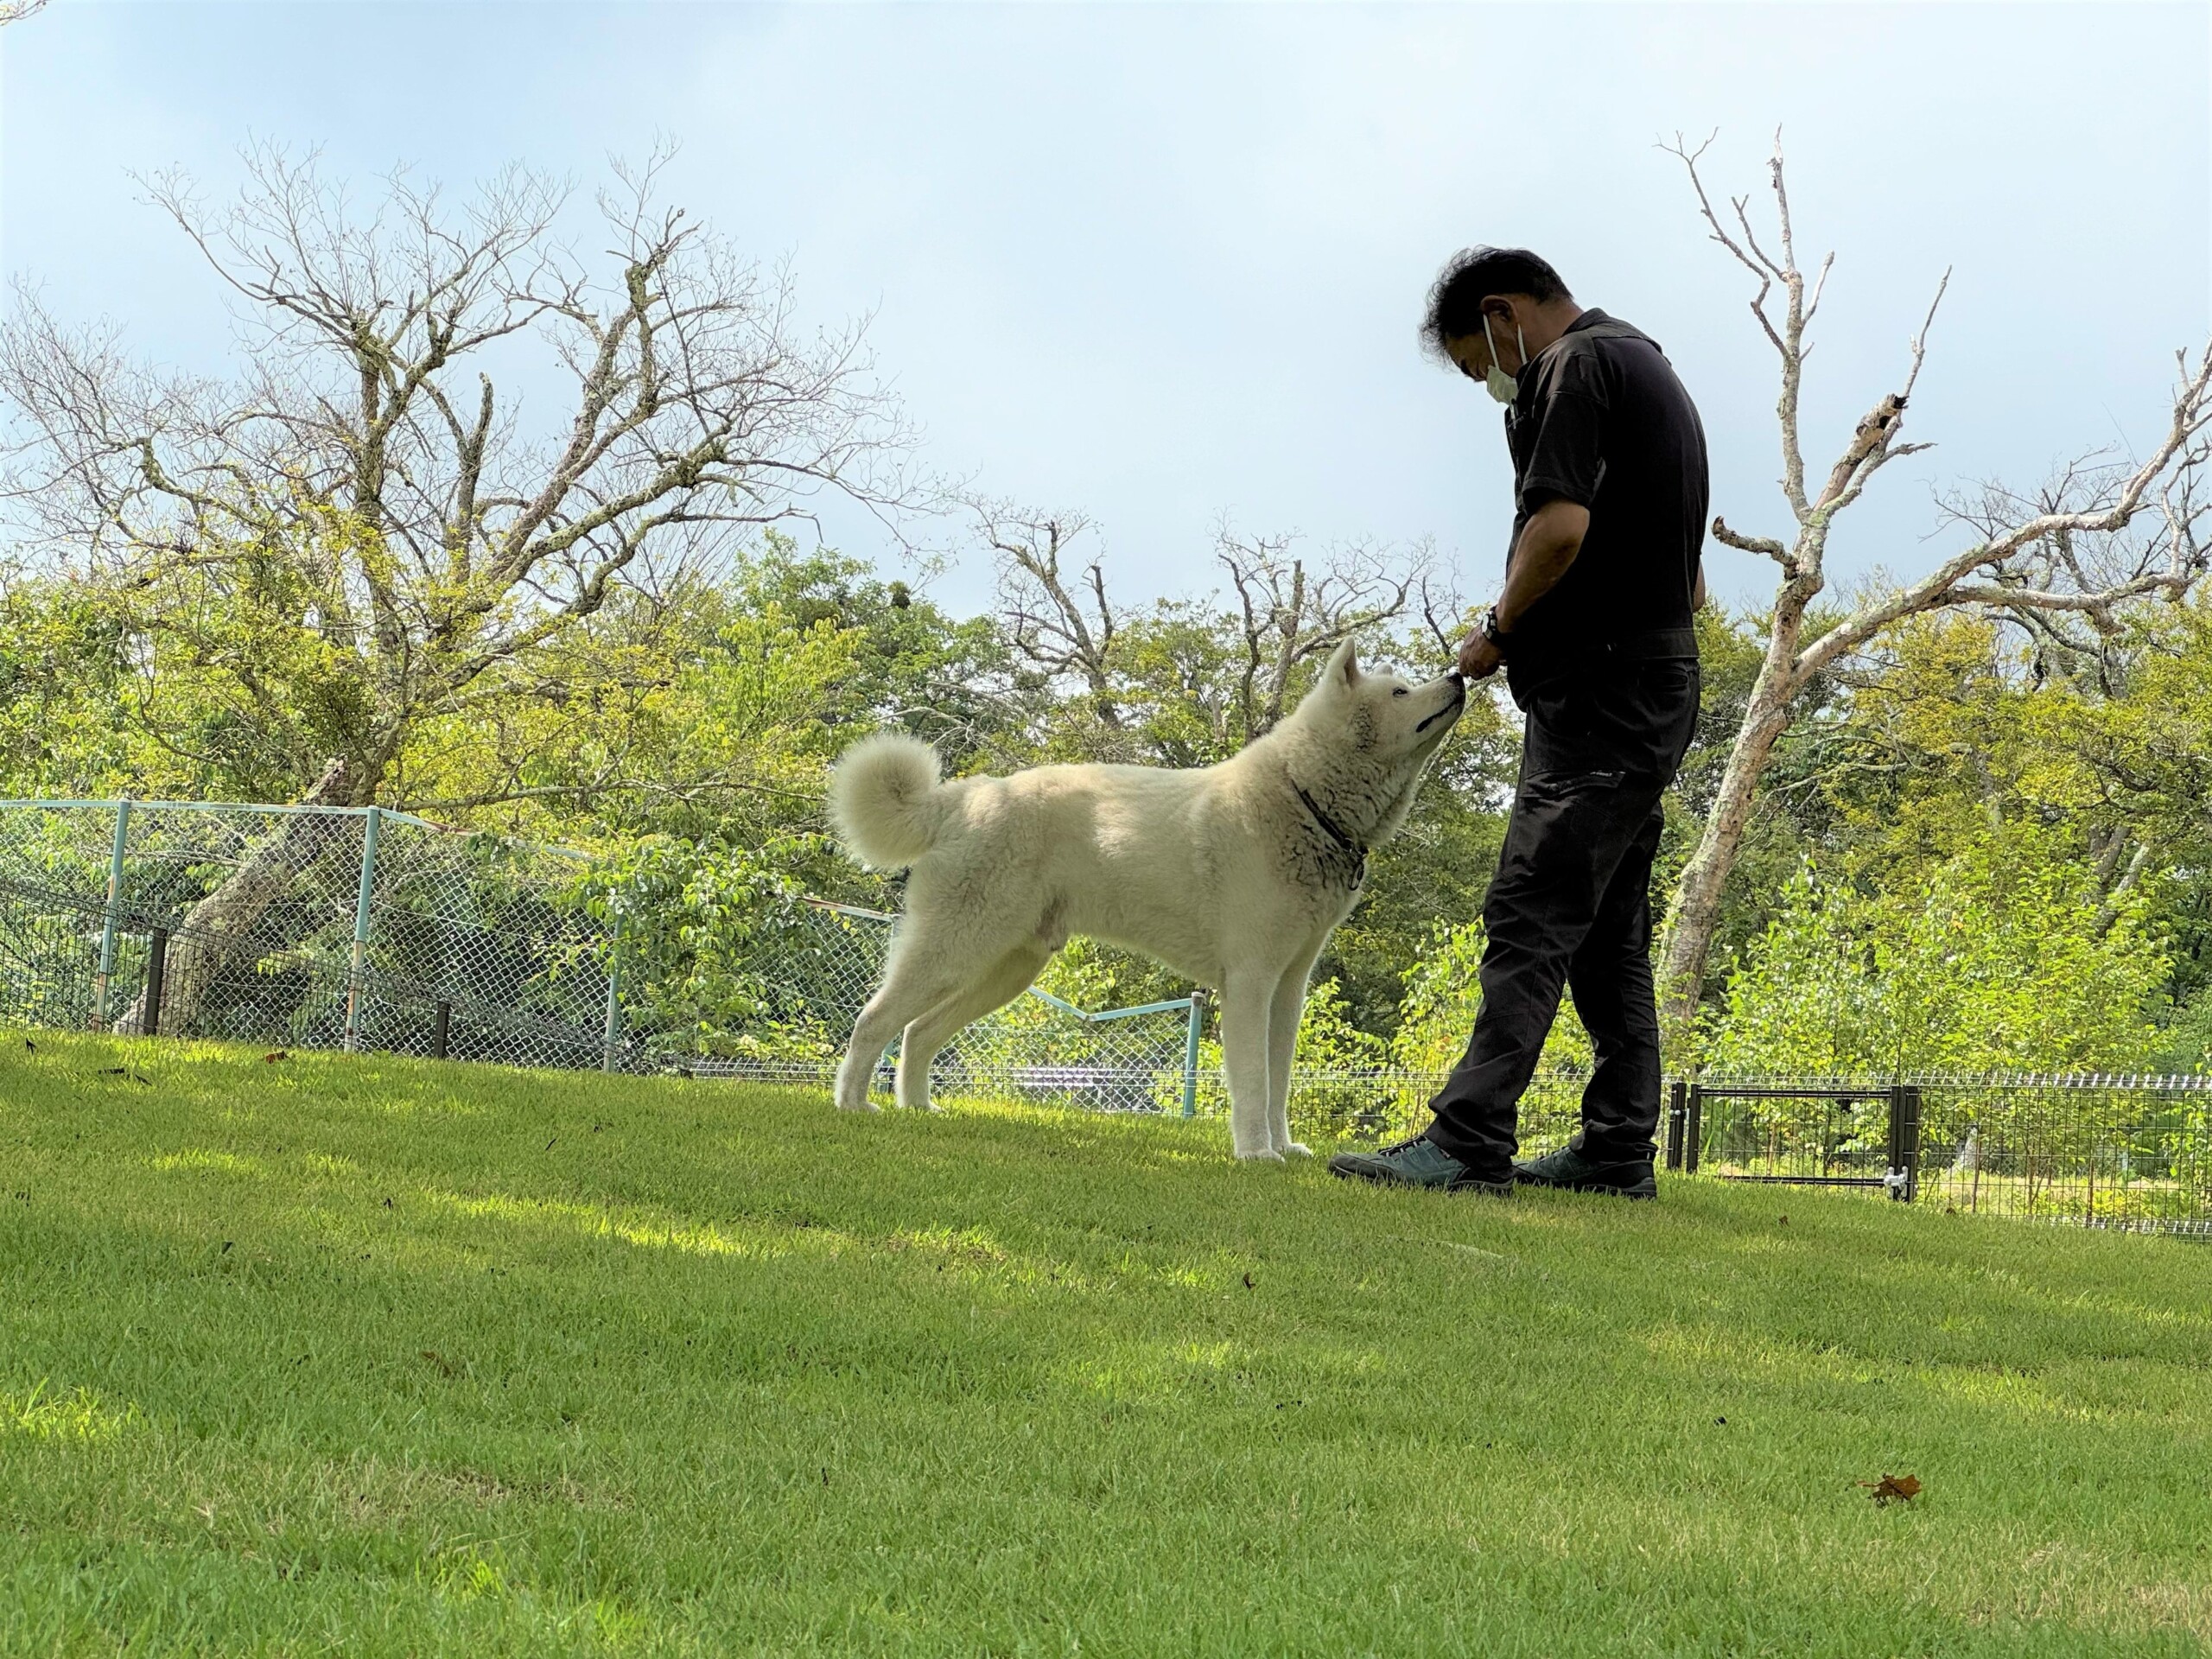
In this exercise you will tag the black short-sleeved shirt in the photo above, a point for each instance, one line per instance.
(1600, 419)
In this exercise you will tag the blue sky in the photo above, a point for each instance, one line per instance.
(1163, 263)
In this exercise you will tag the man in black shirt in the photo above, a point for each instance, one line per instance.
(1593, 629)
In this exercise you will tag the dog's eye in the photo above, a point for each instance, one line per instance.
(1402, 692)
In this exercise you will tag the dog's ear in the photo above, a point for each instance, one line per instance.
(1343, 666)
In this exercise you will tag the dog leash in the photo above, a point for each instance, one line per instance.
(1351, 849)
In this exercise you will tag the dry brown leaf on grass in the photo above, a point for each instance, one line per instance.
(271, 1058)
(1893, 1489)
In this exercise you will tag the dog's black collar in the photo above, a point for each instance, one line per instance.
(1350, 848)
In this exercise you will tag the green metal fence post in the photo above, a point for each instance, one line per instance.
(357, 968)
(1191, 1054)
(114, 904)
(613, 1032)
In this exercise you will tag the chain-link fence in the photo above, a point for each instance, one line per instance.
(314, 928)
(1040, 1048)
(368, 929)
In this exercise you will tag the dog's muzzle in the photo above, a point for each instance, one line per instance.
(1458, 702)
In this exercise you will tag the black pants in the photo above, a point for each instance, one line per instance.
(1571, 904)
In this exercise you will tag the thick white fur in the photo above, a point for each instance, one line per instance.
(1221, 872)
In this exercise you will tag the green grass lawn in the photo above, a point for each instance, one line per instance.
(374, 1356)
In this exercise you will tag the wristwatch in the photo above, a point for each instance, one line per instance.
(1490, 630)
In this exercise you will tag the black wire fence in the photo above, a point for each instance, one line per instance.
(2097, 1149)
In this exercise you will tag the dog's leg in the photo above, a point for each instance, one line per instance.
(1245, 1003)
(1282, 1047)
(1006, 978)
(918, 981)
(871, 1032)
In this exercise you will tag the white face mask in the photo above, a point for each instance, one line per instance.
(1500, 384)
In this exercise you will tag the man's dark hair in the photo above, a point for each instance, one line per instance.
(1455, 299)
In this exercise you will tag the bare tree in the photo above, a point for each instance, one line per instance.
(14, 11)
(1060, 630)
(366, 480)
(2077, 530)
(1288, 612)
(368, 454)
(2071, 587)
(1285, 610)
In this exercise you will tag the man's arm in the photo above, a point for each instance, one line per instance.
(1548, 542)
(1697, 595)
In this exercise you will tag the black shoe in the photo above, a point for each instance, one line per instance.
(1576, 1171)
(1417, 1162)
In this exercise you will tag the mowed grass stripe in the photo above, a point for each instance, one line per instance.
(385, 1356)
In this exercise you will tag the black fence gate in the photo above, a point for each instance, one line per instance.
(1798, 1136)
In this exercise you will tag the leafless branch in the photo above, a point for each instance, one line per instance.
(1289, 612)
(1056, 629)
(1744, 544)
(2177, 461)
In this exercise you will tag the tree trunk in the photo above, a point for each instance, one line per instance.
(213, 931)
(1694, 916)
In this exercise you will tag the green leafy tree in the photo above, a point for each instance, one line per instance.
(716, 951)
(1955, 727)
(352, 536)
(947, 679)
(1999, 960)
(65, 722)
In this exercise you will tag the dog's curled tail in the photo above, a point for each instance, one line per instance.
(883, 800)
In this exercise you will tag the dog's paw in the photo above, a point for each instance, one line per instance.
(862, 1105)
(1298, 1149)
(1262, 1154)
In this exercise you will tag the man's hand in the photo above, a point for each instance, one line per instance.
(1478, 658)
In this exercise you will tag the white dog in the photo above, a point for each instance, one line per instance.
(1233, 875)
